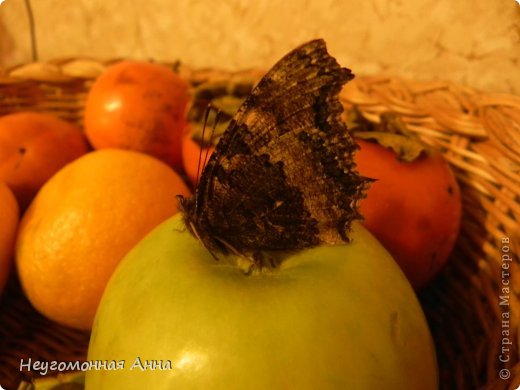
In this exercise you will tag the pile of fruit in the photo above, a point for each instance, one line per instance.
(74, 204)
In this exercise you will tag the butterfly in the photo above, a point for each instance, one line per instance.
(282, 176)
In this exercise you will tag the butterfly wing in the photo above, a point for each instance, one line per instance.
(282, 175)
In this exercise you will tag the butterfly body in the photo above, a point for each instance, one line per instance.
(282, 176)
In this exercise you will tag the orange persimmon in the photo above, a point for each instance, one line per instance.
(413, 208)
(138, 106)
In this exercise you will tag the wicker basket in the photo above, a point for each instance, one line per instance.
(478, 133)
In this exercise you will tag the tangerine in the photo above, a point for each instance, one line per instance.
(33, 147)
(82, 223)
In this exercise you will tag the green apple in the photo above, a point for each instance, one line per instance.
(331, 317)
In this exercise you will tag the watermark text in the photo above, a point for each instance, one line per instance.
(44, 367)
(504, 303)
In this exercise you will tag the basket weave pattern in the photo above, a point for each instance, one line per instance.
(478, 133)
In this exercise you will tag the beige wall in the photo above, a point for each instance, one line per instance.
(476, 42)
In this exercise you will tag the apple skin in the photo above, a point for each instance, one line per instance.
(331, 317)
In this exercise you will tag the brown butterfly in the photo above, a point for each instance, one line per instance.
(282, 176)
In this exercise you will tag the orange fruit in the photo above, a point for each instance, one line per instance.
(82, 223)
(413, 208)
(34, 146)
(138, 106)
(8, 224)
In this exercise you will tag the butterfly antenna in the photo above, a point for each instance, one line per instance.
(204, 124)
(215, 123)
